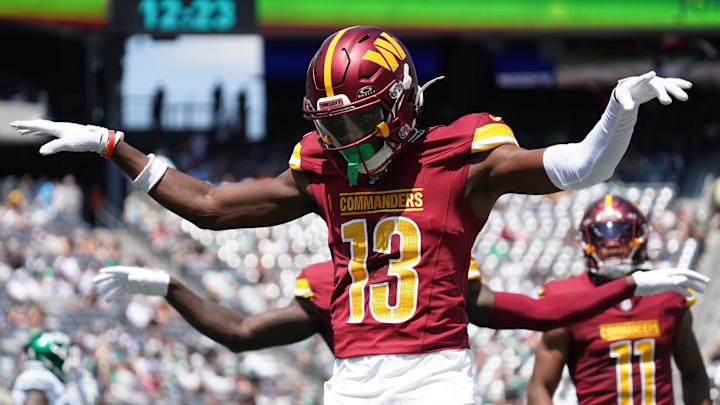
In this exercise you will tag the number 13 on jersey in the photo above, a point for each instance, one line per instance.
(356, 233)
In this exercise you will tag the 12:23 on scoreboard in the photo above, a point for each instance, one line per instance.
(188, 16)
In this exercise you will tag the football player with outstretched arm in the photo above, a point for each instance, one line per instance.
(622, 355)
(309, 312)
(403, 206)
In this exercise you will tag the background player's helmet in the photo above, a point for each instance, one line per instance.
(361, 84)
(52, 349)
(614, 220)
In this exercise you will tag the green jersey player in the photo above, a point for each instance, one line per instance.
(45, 372)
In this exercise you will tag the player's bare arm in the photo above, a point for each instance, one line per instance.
(246, 204)
(550, 357)
(237, 332)
(510, 169)
(35, 397)
(501, 310)
(287, 325)
(696, 389)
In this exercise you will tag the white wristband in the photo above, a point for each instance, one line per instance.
(150, 174)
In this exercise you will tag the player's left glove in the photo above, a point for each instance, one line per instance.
(660, 281)
(71, 137)
(118, 280)
(635, 90)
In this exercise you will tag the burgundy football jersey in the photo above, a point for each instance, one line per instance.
(622, 356)
(400, 246)
(315, 282)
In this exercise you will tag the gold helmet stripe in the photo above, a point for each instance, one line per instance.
(608, 201)
(328, 63)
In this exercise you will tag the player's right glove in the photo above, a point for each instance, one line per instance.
(71, 137)
(659, 281)
(118, 280)
(635, 90)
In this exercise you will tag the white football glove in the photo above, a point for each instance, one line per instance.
(70, 137)
(118, 280)
(633, 91)
(660, 281)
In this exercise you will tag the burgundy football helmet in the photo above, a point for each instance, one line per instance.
(361, 84)
(614, 220)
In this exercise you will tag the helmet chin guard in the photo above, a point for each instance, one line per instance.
(614, 268)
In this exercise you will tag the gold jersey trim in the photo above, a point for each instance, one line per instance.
(295, 158)
(302, 288)
(492, 135)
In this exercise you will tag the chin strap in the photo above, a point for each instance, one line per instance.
(353, 159)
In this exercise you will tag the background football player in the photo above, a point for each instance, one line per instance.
(622, 355)
(403, 205)
(50, 375)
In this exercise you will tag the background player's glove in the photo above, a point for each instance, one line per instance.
(118, 280)
(659, 281)
(71, 137)
(633, 91)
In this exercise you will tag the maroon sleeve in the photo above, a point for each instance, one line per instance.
(307, 155)
(517, 311)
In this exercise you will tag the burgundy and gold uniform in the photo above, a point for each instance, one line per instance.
(622, 356)
(315, 282)
(400, 245)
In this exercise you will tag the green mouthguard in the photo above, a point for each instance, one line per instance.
(353, 158)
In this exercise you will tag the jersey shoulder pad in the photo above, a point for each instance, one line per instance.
(470, 133)
(307, 155)
(489, 132)
(474, 271)
(313, 279)
(302, 287)
(680, 300)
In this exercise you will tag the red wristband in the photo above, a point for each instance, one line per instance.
(111, 144)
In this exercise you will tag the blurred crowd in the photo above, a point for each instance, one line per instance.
(139, 350)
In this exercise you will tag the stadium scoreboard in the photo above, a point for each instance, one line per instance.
(183, 16)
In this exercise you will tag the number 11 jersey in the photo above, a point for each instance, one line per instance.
(622, 356)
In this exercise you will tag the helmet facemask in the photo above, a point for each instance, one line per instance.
(369, 133)
(614, 237)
